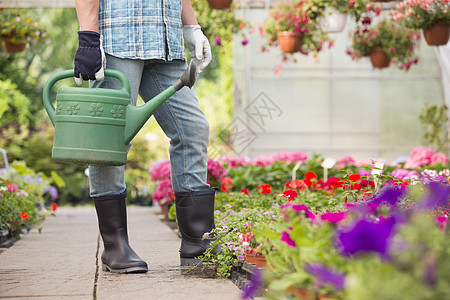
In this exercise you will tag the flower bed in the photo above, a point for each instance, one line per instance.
(22, 200)
(343, 236)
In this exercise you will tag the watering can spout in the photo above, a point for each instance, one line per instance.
(138, 116)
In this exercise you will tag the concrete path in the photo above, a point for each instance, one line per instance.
(63, 262)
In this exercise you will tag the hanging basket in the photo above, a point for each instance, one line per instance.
(14, 48)
(220, 4)
(332, 21)
(379, 58)
(437, 35)
(290, 42)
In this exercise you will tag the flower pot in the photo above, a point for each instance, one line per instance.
(220, 4)
(13, 48)
(250, 257)
(379, 58)
(301, 293)
(332, 21)
(260, 261)
(290, 42)
(437, 35)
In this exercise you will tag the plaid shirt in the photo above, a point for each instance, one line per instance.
(142, 29)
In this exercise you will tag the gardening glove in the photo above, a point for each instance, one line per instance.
(90, 59)
(198, 46)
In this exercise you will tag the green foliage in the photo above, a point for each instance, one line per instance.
(13, 106)
(434, 121)
(215, 23)
(21, 193)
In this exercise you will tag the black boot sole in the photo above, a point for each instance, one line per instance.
(190, 262)
(125, 270)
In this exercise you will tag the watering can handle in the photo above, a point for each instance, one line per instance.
(46, 95)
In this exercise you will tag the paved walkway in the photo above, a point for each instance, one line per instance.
(63, 262)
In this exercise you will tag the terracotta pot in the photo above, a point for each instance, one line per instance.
(332, 21)
(220, 4)
(379, 58)
(260, 261)
(13, 48)
(250, 258)
(437, 35)
(301, 293)
(290, 42)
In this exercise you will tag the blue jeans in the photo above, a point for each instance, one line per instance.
(180, 117)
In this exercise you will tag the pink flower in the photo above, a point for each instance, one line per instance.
(12, 187)
(420, 156)
(160, 170)
(216, 170)
(164, 193)
(343, 162)
(438, 157)
(285, 237)
(244, 42)
(334, 217)
(404, 174)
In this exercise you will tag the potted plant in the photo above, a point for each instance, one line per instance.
(332, 14)
(290, 26)
(17, 30)
(433, 17)
(385, 43)
(220, 4)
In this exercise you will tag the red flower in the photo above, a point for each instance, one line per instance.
(354, 177)
(290, 194)
(310, 175)
(333, 183)
(351, 3)
(296, 184)
(244, 191)
(24, 216)
(54, 206)
(226, 184)
(265, 188)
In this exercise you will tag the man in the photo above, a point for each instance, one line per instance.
(144, 40)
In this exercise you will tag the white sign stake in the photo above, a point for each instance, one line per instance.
(294, 170)
(328, 163)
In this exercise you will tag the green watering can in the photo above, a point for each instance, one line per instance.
(95, 125)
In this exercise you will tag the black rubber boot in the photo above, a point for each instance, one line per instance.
(117, 257)
(195, 216)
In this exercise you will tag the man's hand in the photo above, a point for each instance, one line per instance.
(198, 45)
(90, 58)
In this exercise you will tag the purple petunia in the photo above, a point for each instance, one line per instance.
(251, 290)
(300, 208)
(324, 275)
(438, 196)
(285, 237)
(390, 195)
(52, 191)
(365, 236)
